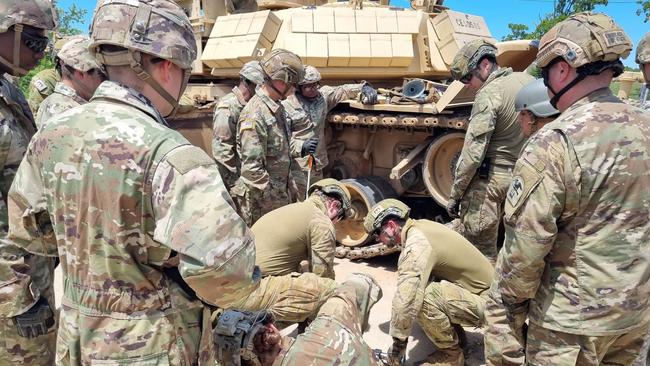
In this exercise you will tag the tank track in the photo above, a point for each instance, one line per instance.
(364, 252)
(414, 121)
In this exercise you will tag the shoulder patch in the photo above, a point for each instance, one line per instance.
(516, 190)
(246, 124)
(185, 158)
(40, 85)
(222, 105)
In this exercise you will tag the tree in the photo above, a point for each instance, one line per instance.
(644, 9)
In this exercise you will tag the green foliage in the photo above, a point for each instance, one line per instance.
(644, 9)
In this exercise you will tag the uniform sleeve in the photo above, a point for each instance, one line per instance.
(323, 245)
(194, 217)
(534, 204)
(413, 270)
(336, 94)
(252, 141)
(223, 140)
(300, 126)
(477, 138)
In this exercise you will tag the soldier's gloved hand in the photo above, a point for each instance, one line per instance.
(35, 321)
(309, 147)
(516, 315)
(368, 94)
(397, 352)
(453, 208)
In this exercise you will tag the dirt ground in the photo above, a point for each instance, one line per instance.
(384, 270)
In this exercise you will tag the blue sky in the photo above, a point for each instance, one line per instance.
(498, 13)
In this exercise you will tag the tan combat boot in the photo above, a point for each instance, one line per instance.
(445, 357)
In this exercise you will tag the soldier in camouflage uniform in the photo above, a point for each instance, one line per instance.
(307, 233)
(226, 115)
(431, 250)
(577, 231)
(145, 230)
(27, 321)
(80, 76)
(492, 144)
(335, 337)
(308, 137)
(42, 84)
(502, 345)
(643, 59)
(263, 140)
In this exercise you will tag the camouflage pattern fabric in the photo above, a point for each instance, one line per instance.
(547, 347)
(469, 55)
(40, 87)
(16, 129)
(224, 136)
(317, 110)
(643, 50)
(432, 249)
(493, 134)
(444, 305)
(75, 54)
(263, 147)
(63, 98)
(301, 129)
(576, 221)
(307, 234)
(123, 194)
(334, 337)
(290, 298)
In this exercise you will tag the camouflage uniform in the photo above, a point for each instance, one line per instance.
(307, 235)
(263, 147)
(224, 128)
(494, 134)
(574, 241)
(302, 129)
(140, 216)
(40, 87)
(643, 58)
(431, 249)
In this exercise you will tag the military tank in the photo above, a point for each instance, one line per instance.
(405, 146)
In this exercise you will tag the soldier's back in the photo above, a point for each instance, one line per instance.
(41, 86)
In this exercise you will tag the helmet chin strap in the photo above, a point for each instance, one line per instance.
(558, 95)
(583, 71)
(14, 66)
(135, 61)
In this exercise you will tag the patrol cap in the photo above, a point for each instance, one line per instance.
(534, 97)
(469, 56)
(332, 186)
(282, 65)
(35, 13)
(75, 54)
(312, 75)
(583, 39)
(643, 50)
(252, 71)
(380, 211)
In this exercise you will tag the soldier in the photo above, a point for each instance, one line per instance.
(492, 144)
(263, 140)
(441, 308)
(335, 337)
(42, 84)
(317, 101)
(502, 346)
(80, 76)
(307, 234)
(577, 231)
(23, 28)
(144, 227)
(226, 115)
(643, 59)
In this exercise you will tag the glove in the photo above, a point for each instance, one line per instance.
(35, 321)
(453, 207)
(368, 94)
(309, 147)
(396, 352)
(516, 315)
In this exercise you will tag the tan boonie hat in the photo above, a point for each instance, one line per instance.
(469, 55)
(380, 211)
(75, 54)
(643, 50)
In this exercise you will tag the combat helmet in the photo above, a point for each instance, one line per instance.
(332, 186)
(282, 65)
(380, 211)
(159, 28)
(588, 42)
(252, 71)
(312, 75)
(19, 13)
(235, 333)
(75, 54)
(468, 57)
(533, 97)
(643, 50)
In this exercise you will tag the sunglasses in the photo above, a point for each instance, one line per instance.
(35, 42)
(545, 71)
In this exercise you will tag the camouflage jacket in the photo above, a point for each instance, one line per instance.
(40, 87)
(263, 147)
(134, 208)
(432, 249)
(576, 216)
(224, 135)
(317, 109)
(62, 99)
(493, 130)
(307, 234)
